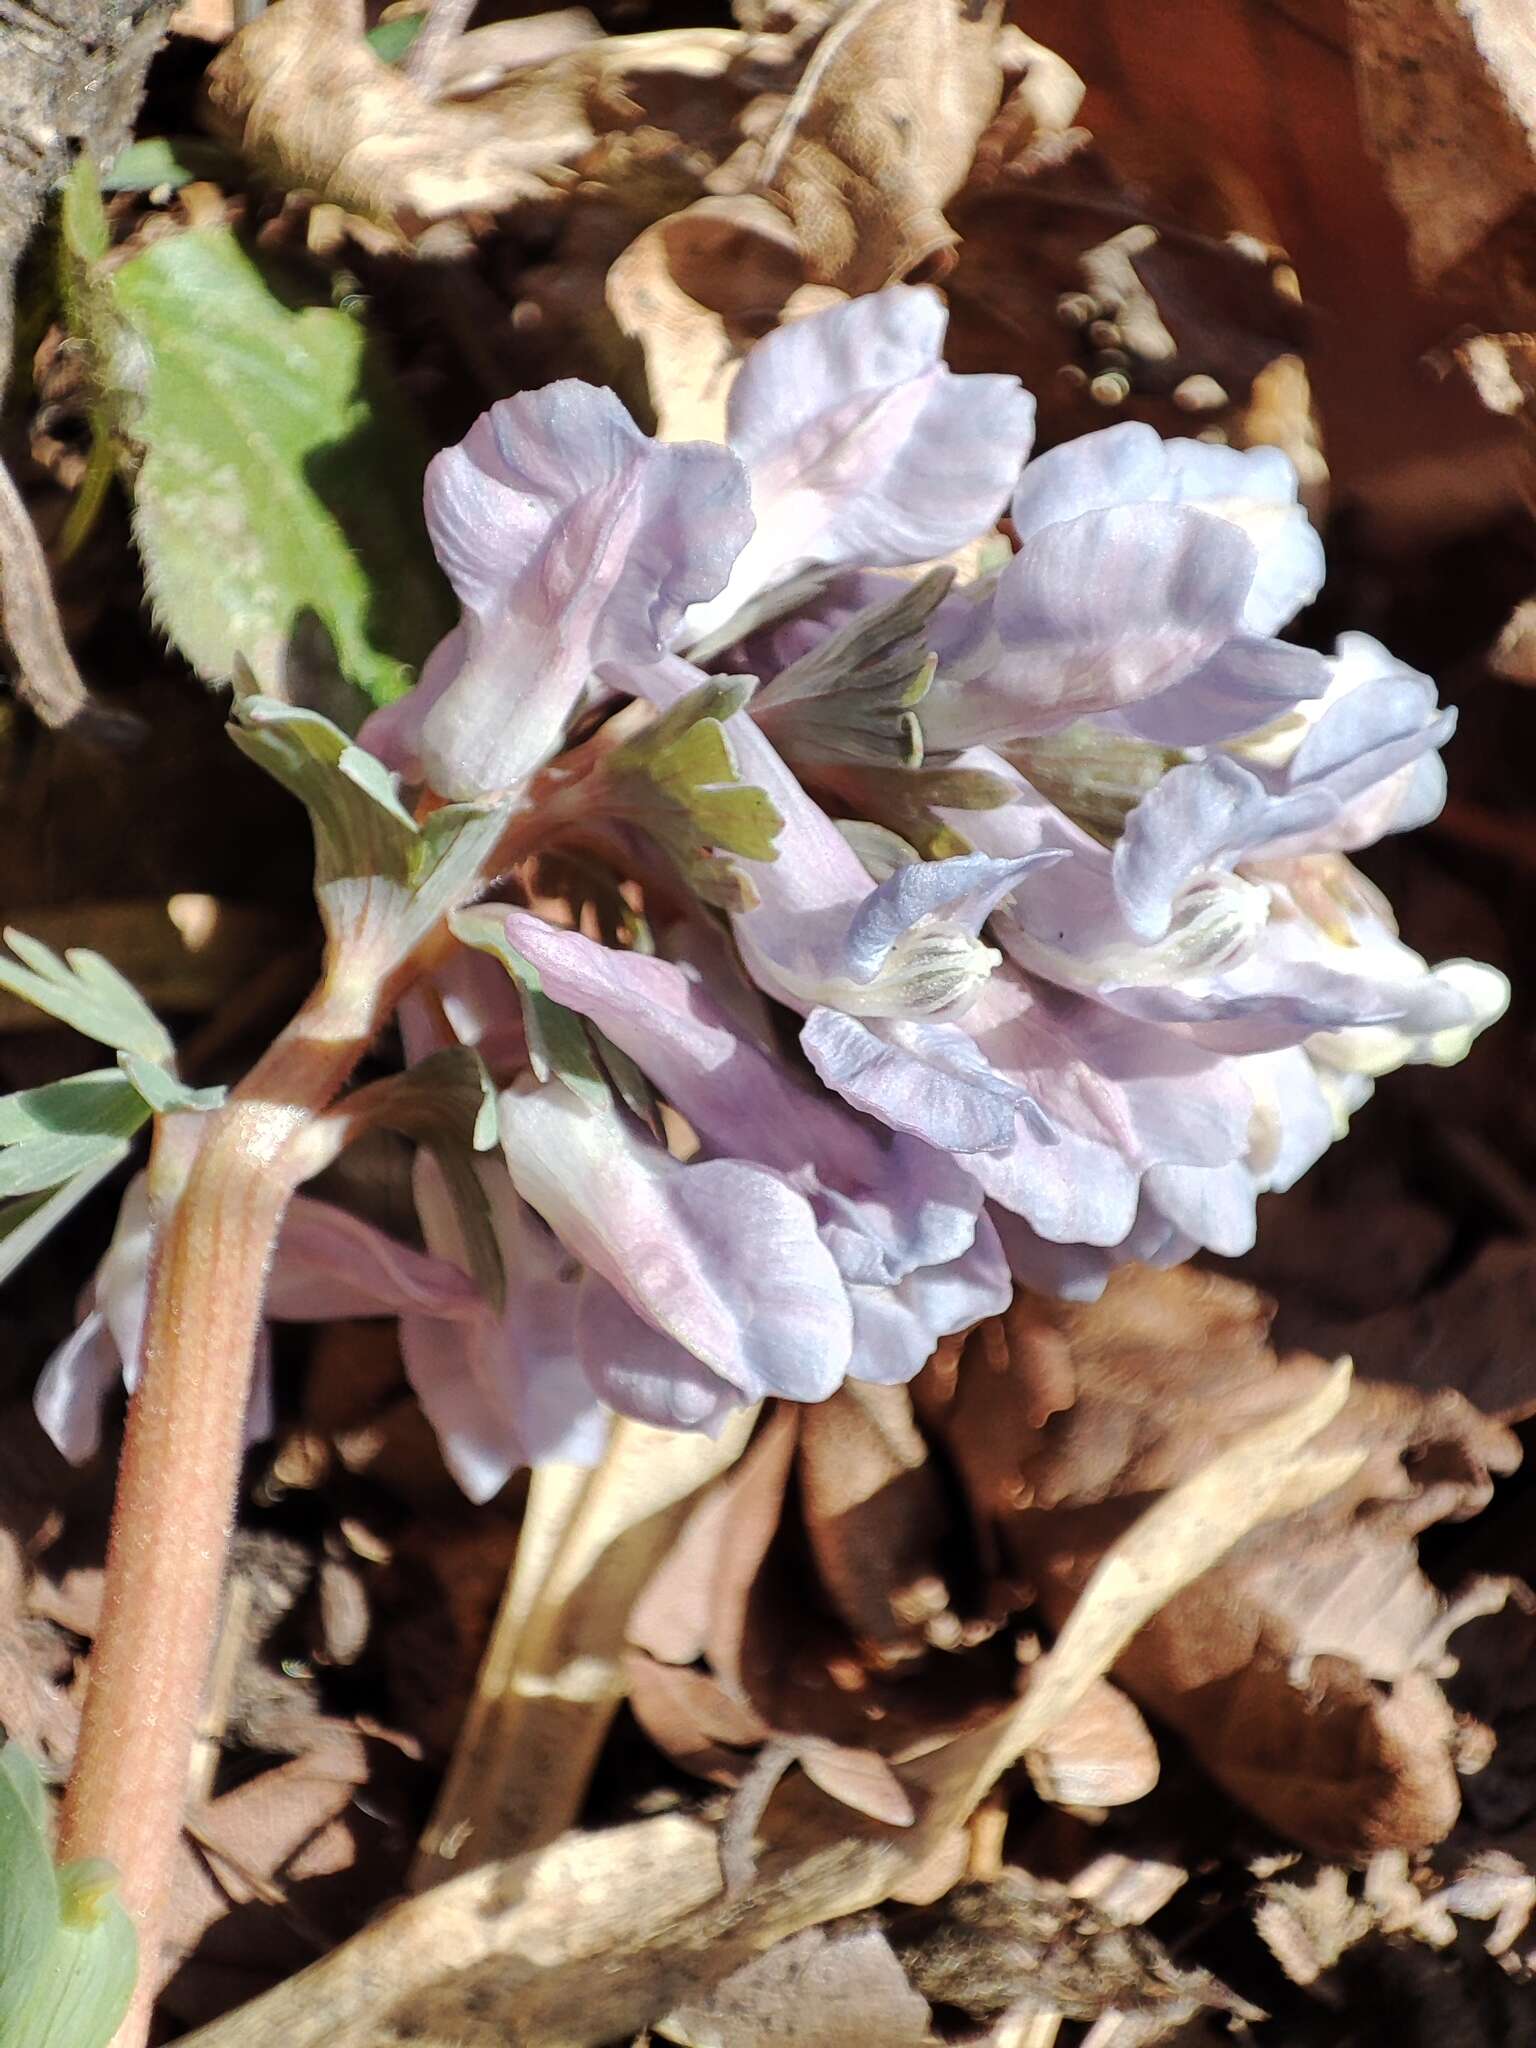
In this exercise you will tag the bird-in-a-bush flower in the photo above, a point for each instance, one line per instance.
(877, 935)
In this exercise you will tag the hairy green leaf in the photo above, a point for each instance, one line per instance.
(169, 160)
(68, 1957)
(274, 467)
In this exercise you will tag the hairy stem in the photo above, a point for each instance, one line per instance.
(181, 1465)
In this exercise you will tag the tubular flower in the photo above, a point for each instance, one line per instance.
(883, 937)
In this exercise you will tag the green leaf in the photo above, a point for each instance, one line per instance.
(173, 160)
(393, 38)
(162, 1091)
(25, 1223)
(87, 992)
(908, 801)
(274, 465)
(851, 698)
(68, 1957)
(678, 781)
(50, 1134)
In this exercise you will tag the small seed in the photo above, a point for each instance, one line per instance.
(1111, 387)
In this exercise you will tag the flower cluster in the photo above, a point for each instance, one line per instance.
(994, 921)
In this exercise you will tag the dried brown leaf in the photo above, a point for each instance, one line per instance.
(878, 137)
(303, 97)
(1303, 1670)
(695, 290)
(839, 1987)
(1448, 93)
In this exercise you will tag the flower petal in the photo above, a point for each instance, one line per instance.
(722, 1257)
(926, 1078)
(1253, 489)
(863, 448)
(639, 1371)
(1092, 615)
(884, 1204)
(896, 1329)
(331, 1264)
(503, 1390)
(570, 538)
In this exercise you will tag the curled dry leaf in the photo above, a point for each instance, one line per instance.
(878, 136)
(695, 290)
(303, 97)
(1304, 1670)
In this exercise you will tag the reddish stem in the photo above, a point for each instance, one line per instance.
(181, 1466)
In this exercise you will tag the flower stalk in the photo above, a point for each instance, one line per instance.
(180, 1466)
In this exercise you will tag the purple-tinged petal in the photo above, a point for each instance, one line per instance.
(639, 1371)
(570, 538)
(963, 892)
(1080, 1272)
(1204, 814)
(897, 1329)
(1371, 741)
(863, 448)
(722, 1257)
(927, 1079)
(1131, 464)
(1091, 616)
(331, 1264)
(501, 1391)
(73, 1388)
(884, 1204)
(1246, 684)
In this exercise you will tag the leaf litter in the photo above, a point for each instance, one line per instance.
(902, 1717)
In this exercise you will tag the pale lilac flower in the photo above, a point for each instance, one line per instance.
(1149, 988)
(1148, 578)
(570, 538)
(863, 449)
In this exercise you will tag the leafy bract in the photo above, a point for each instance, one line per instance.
(680, 782)
(379, 874)
(68, 1957)
(273, 464)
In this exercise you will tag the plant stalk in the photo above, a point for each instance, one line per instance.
(181, 1460)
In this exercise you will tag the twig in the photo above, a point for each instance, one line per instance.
(46, 676)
